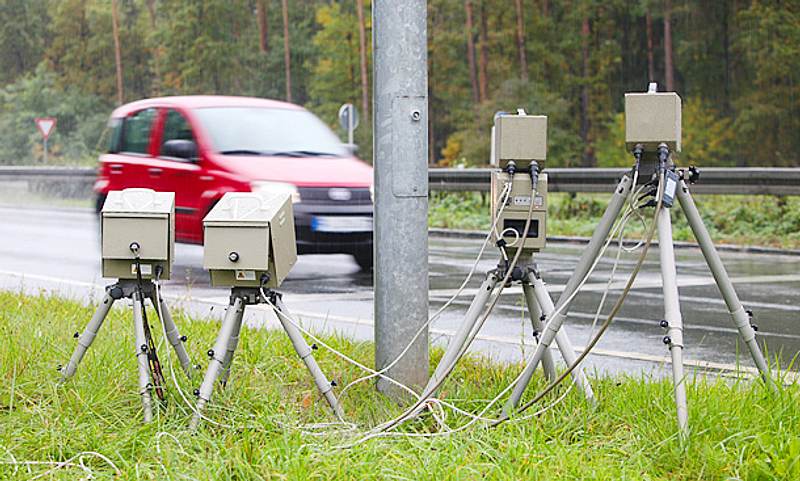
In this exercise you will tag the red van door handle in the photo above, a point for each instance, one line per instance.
(116, 168)
(155, 171)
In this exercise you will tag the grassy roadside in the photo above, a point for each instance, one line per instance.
(740, 430)
(744, 220)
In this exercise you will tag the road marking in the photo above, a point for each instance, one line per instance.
(640, 283)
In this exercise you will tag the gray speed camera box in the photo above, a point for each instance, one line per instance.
(248, 235)
(511, 222)
(652, 118)
(140, 217)
(521, 138)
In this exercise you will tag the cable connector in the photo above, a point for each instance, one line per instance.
(511, 168)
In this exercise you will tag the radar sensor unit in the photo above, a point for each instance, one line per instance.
(249, 236)
(138, 228)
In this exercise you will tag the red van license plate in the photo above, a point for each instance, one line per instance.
(334, 223)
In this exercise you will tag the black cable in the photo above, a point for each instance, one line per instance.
(152, 356)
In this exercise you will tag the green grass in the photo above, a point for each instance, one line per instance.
(740, 429)
(744, 220)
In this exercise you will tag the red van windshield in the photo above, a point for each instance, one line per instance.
(268, 131)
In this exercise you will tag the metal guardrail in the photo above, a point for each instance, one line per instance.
(713, 180)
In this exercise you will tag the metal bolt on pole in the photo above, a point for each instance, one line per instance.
(401, 189)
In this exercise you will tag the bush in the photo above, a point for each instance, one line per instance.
(81, 121)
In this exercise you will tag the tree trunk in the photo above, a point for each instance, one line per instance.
(362, 50)
(156, 83)
(117, 51)
(263, 26)
(523, 59)
(586, 125)
(669, 72)
(483, 56)
(651, 66)
(473, 73)
(286, 58)
(545, 8)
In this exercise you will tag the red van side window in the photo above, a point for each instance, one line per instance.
(136, 132)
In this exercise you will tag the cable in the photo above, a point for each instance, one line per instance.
(583, 281)
(414, 409)
(493, 229)
(56, 465)
(617, 305)
(171, 367)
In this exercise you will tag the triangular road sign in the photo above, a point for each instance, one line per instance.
(45, 125)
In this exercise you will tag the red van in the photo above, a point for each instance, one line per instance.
(201, 147)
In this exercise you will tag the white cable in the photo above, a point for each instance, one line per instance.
(516, 237)
(399, 420)
(493, 229)
(56, 465)
(186, 400)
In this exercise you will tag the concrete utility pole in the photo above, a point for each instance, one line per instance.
(401, 188)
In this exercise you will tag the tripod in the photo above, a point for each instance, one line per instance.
(540, 306)
(221, 356)
(137, 291)
(672, 321)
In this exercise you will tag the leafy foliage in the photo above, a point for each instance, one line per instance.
(736, 66)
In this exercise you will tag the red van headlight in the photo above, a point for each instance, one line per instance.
(276, 187)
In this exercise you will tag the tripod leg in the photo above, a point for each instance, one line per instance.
(564, 346)
(535, 311)
(141, 357)
(174, 337)
(672, 314)
(305, 352)
(456, 345)
(88, 336)
(234, 341)
(217, 355)
(588, 257)
(740, 318)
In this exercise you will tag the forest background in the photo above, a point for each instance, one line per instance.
(735, 64)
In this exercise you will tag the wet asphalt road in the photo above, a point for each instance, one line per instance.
(58, 249)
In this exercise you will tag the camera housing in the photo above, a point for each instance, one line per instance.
(653, 118)
(520, 138)
(249, 236)
(137, 222)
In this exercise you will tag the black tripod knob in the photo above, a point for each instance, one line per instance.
(196, 393)
(184, 338)
(667, 340)
(664, 323)
(210, 353)
(76, 335)
(694, 174)
(754, 326)
(143, 347)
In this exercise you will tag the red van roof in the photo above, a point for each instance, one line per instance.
(201, 101)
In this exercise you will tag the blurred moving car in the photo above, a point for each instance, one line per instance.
(201, 147)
